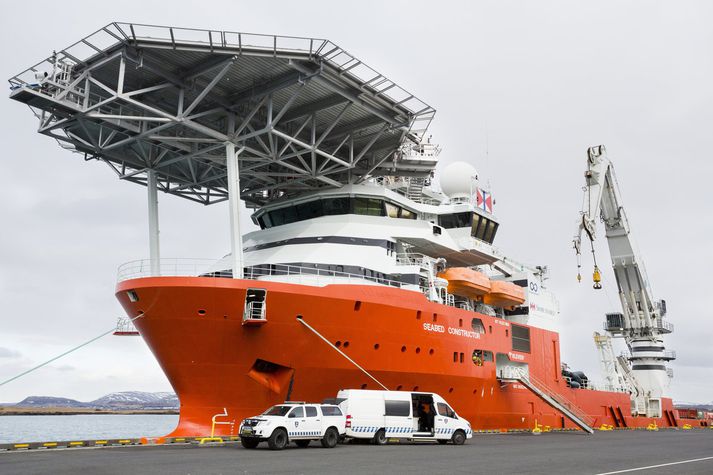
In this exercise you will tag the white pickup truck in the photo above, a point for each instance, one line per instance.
(296, 422)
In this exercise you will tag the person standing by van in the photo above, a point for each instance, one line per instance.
(427, 417)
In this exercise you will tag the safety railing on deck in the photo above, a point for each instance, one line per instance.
(411, 259)
(208, 268)
(572, 407)
(185, 267)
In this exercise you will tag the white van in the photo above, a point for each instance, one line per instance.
(382, 415)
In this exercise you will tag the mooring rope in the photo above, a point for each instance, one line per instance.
(72, 350)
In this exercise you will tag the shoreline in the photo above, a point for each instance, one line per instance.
(73, 411)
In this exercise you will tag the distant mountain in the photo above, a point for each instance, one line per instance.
(137, 400)
(49, 401)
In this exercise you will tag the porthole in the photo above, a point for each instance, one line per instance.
(201, 312)
(418, 315)
(398, 388)
(415, 388)
(450, 390)
(376, 346)
(430, 352)
(338, 344)
(346, 344)
(403, 349)
(418, 350)
(357, 305)
(363, 386)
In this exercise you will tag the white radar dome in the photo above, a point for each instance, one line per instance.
(458, 180)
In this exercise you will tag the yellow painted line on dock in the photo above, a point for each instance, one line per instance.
(124, 441)
(76, 443)
(100, 442)
(21, 446)
(50, 444)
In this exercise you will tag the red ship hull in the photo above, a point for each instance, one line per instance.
(194, 327)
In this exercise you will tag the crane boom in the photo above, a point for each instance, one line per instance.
(641, 322)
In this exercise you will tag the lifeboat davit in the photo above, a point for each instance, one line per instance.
(504, 294)
(466, 282)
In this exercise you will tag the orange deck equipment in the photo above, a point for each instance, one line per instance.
(504, 294)
(466, 282)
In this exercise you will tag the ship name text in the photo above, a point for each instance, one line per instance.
(430, 327)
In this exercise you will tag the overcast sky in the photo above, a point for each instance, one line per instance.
(538, 82)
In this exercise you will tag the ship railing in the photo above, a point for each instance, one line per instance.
(663, 326)
(310, 274)
(187, 267)
(270, 46)
(572, 407)
(411, 259)
(174, 267)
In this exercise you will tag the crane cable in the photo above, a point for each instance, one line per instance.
(71, 350)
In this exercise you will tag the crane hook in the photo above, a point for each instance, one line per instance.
(597, 277)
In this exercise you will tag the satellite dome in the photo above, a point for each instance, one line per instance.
(457, 180)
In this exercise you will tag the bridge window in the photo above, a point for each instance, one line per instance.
(392, 211)
(455, 220)
(309, 210)
(336, 206)
(521, 338)
(483, 228)
(406, 214)
(368, 206)
(331, 207)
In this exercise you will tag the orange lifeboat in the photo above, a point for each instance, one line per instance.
(504, 294)
(466, 282)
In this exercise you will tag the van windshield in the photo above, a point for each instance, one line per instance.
(277, 411)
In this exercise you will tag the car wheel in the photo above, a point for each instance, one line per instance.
(442, 441)
(278, 439)
(330, 439)
(458, 437)
(380, 437)
(302, 443)
(249, 443)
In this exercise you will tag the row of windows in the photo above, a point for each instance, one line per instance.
(480, 227)
(311, 411)
(331, 207)
(403, 409)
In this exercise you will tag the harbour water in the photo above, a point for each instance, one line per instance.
(84, 427)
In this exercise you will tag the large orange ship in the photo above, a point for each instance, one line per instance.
(363, 272)
(214, 360)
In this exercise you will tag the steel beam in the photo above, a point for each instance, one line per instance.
(154, 249)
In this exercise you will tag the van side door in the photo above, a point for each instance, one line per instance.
(398, 421)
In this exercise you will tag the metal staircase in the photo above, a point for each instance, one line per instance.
(569, 409)
(414, 192)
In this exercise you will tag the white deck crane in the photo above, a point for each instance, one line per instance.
(641, 322)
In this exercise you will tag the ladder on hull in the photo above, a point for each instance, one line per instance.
(572, 412)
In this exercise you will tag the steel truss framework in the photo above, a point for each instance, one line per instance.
(302, 113)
